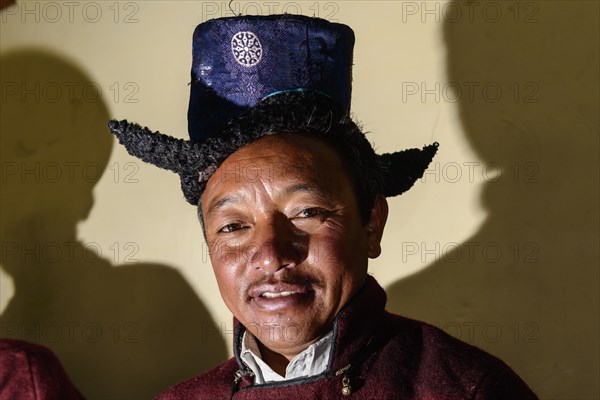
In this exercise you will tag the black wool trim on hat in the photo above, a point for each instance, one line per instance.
(404, 168)
(296, 112)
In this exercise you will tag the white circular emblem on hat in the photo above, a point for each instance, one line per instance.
(246, 48)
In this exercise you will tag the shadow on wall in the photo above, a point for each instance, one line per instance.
(525, 286)
(122, 332)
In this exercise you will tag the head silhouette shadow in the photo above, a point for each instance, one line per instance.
(525, 285)
(126, 331)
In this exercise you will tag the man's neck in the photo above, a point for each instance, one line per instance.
(277, 361)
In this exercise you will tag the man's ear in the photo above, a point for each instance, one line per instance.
(377, 220)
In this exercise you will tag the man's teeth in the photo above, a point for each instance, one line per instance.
(270, 295)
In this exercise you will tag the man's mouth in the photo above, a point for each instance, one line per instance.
(277, 289)
(280, 296)
(271, 295)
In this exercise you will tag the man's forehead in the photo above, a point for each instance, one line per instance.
(262, 169)
(278, 157)
(289, 164)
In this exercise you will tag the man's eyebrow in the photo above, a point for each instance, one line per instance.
(290, 190)
(214, 206)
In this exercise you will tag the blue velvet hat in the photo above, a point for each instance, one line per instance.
(258, 75)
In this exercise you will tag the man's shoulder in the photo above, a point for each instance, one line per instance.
(440, 357)
(432, 341)
(210, 384)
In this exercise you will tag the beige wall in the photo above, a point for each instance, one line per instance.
(114, 275)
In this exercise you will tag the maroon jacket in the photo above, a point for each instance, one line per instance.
(380, 356)
(32, 372)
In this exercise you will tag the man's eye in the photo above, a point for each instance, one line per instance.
(231, 227)
(312, 212)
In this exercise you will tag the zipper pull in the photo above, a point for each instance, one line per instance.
(346, 388)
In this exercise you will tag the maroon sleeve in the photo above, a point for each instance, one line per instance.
(502, 383)
(32, 372)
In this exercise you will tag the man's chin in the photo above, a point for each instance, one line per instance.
(288, 340)
(281, 335)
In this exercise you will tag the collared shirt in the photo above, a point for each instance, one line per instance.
(311, 361)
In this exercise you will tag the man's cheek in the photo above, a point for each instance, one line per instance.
(324, 254)
(230, 255)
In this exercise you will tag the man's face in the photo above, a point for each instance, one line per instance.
(286, 241)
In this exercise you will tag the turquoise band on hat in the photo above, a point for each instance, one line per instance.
(296, 90)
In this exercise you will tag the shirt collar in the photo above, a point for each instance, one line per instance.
(312, 361)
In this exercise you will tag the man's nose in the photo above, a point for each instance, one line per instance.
(277, 246)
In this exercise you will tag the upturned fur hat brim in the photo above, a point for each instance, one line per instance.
(291, 113)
